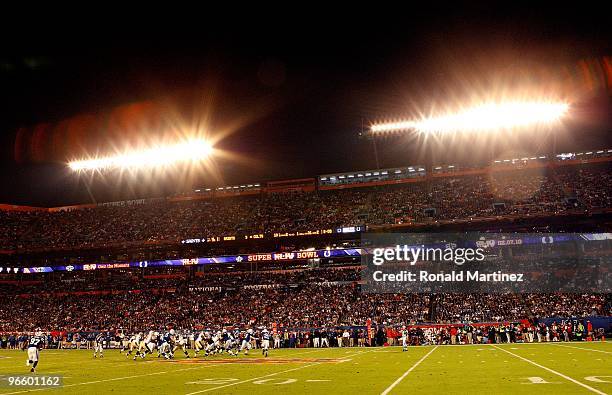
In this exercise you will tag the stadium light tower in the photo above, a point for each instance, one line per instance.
(487, 117)
(192, 151)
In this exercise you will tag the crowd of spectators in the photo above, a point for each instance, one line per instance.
(447, 198)
(310, 298)
(590, 188)
(124, 280)
(503, 307)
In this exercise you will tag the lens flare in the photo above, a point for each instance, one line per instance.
(190, 151)
(481, 118)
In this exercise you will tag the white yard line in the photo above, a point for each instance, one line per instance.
(553, 372)
(581, 348)
(263, 377)
(407, 372)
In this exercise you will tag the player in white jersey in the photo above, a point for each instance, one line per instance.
(191, 339)
(181, 343)
(265, 341)
(404, 339)
(142, 346)
(150, 342)
(213, 344)
(429, 336)
(135, 345)
(199, 343)
(99, 345)
(132, 345)
(219, 343)
(124, 341)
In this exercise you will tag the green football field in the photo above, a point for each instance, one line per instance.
(564, 368)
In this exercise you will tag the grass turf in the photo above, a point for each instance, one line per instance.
(509, 368)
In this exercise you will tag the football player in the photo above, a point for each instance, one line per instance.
(182, 344)
(199, 343)
(35, 344)
(246, 341)
(265, 341)
(404, 339)
(98, 345)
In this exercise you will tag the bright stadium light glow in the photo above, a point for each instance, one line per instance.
(190, 151)
(484, 117)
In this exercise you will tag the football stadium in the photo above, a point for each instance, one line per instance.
(420, 209)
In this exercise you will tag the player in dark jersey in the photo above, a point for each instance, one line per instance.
(166, 346)
(34, 345)
(233, 343)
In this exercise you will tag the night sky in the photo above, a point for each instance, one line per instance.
(293, 94)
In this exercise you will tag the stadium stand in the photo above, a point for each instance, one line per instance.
(519, 193)
(300, 297)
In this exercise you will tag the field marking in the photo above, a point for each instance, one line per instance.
(585, 349)
(102, 381)
(265, 381)
(263, 377)
(538, 380)
(596, 379)
(396, 382)
(253, 379)
(553, 372)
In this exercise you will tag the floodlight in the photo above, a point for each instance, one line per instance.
(482, 118)
(191, 151)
